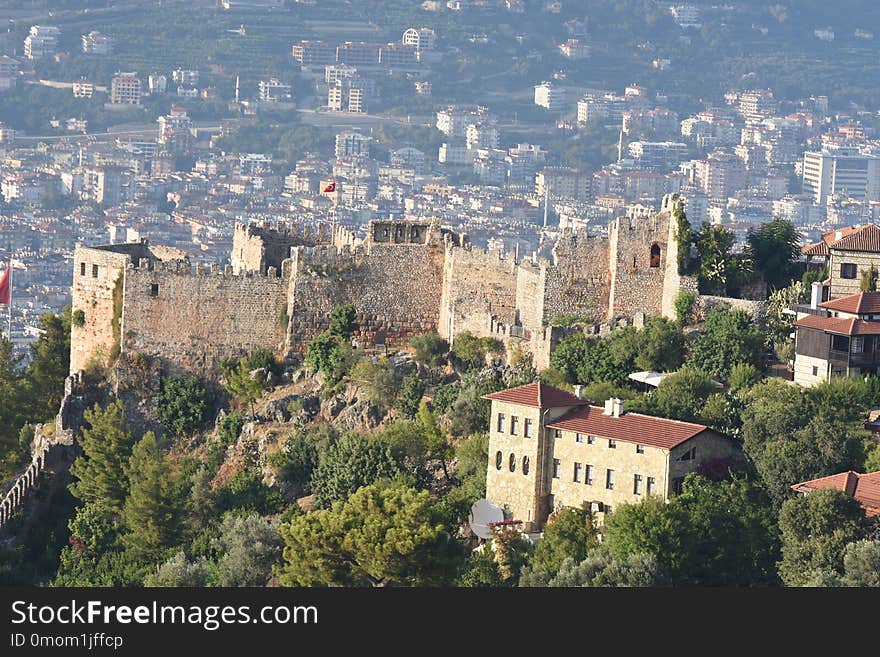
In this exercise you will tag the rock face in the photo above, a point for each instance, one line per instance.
(360, 415)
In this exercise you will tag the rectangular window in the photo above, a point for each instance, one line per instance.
(578, 437)
(847, 270)
(591, 440)
(857, 345)
(637, 484)
(689, 455)
(588, 475)
(839, 343)
(651, 484)
(501, 423)
(94, 271)
(154, 290)
(815, 370)
(609, 479)
(82, 269)
(527, 427)
(514, 425)
(640, 449)
(612, 444)
(556, 466)
(577, 472)
(557, 433)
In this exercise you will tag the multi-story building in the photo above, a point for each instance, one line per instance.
(175, 131)
(125, 89)
(185, 76)
(411, 158)
(275, 91)
(575, 49)
(550, 96)
(562, 182)
(41, 41)
(686, 16)
(720, 175)
(837, 338)
(601, 107)
(8, 72)
(311, 53)
(549, 449)
(422, 38)
(357, 53)
(157, 83)
(658, 155)
(844, 171)
(109, 185)
(95, 43)
(7, 134)
(349, 95)
(454, 119)
(480, 135)
(352, 144)
(335, 72)
(757, 105)
(398, 54)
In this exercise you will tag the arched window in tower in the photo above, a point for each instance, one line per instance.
(655, 255)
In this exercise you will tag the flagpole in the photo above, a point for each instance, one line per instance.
(9, 325)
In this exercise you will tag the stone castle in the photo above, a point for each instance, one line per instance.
(405, 278)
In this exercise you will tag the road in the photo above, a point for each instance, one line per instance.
(115, 131)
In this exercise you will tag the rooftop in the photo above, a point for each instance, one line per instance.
(863, 303)
(839, 325)
(628, 427)
(537, 395)
(863, 487)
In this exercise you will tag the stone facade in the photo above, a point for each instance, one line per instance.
(863, 260)
(406, 277)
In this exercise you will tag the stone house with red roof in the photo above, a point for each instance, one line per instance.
(550, 449)
(863, 487)
(840, 337)
(848, 252)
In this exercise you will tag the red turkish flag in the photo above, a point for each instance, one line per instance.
(329, 189)
(5, 287)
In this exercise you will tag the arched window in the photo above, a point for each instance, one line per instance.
(499, 458)
(525, 466)
(513, 462)
(655, 255)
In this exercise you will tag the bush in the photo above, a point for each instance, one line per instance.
(183, 404)
(229, 428)
(685, 301)
(431, 349)
(264, 359)
(411, 393)
(78, 318)
(380, 379)
(343, 321)
(471, 351)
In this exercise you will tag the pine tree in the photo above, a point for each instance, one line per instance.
(101, 472)
(435, 438)
(149, 515)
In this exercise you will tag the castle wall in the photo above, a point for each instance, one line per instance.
(395, 289)
(577, 283)
(635, 285)
(190, 320)
(530, 296)
(95, 272)
(256, 247)
(477, 285)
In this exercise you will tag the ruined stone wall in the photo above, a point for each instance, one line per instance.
(190, 319)
(635, 285)
(256, 247)
(578, 281)
(95, 276)
(395, 289)
(705, 303)
(530, 295)
(477, 285)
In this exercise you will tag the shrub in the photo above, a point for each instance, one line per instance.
(183, 404)
(78, 318)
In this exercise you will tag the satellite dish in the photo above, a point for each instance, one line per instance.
(483, 513)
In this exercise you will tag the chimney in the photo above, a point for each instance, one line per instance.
(616, 406)
(609, 406)
(838, 234)
(578, 391)
(815, 294)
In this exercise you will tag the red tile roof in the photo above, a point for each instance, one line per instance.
(863, 487)
(537, 395)
(829, 238)
(839, 325)
(863, 303)
(629, 427)
(866, 238)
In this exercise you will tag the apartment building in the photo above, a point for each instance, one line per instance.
(125, 89)
(550, 96)
(841, 171)
(550, 449)
(96, 43)
(41, 41)
(422, 38)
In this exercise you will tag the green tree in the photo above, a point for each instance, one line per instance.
(730, 337)
(50, 363)
(717, 264)
(384, 534)
(743, 376)
(861, 563)
(150, 514)
(471, 351)
(470, 412)
(680, 396)
(569, 534)
(250, 547)
(343, 321)
(183, 404)
(328, 354)
(481, 571)
(380, 380)
(411, 392)
(179, 571)
(241, 385)
(102, 471)
(599, 569)
(229, 428)
(815, 531)
(684, 237)
(431, 349)
(351, 463)
(684, 303)
(773, 248)
(295, 463)
(438, 447)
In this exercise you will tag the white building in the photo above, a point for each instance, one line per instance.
(841, 171)
(95, 43)
(275, 91)
(658, 155)
(454, 119)
(422, 38)
(41, 41)
(480, 135)
(125, 89)
(549, 96)
(686, 16)
(352, 144)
